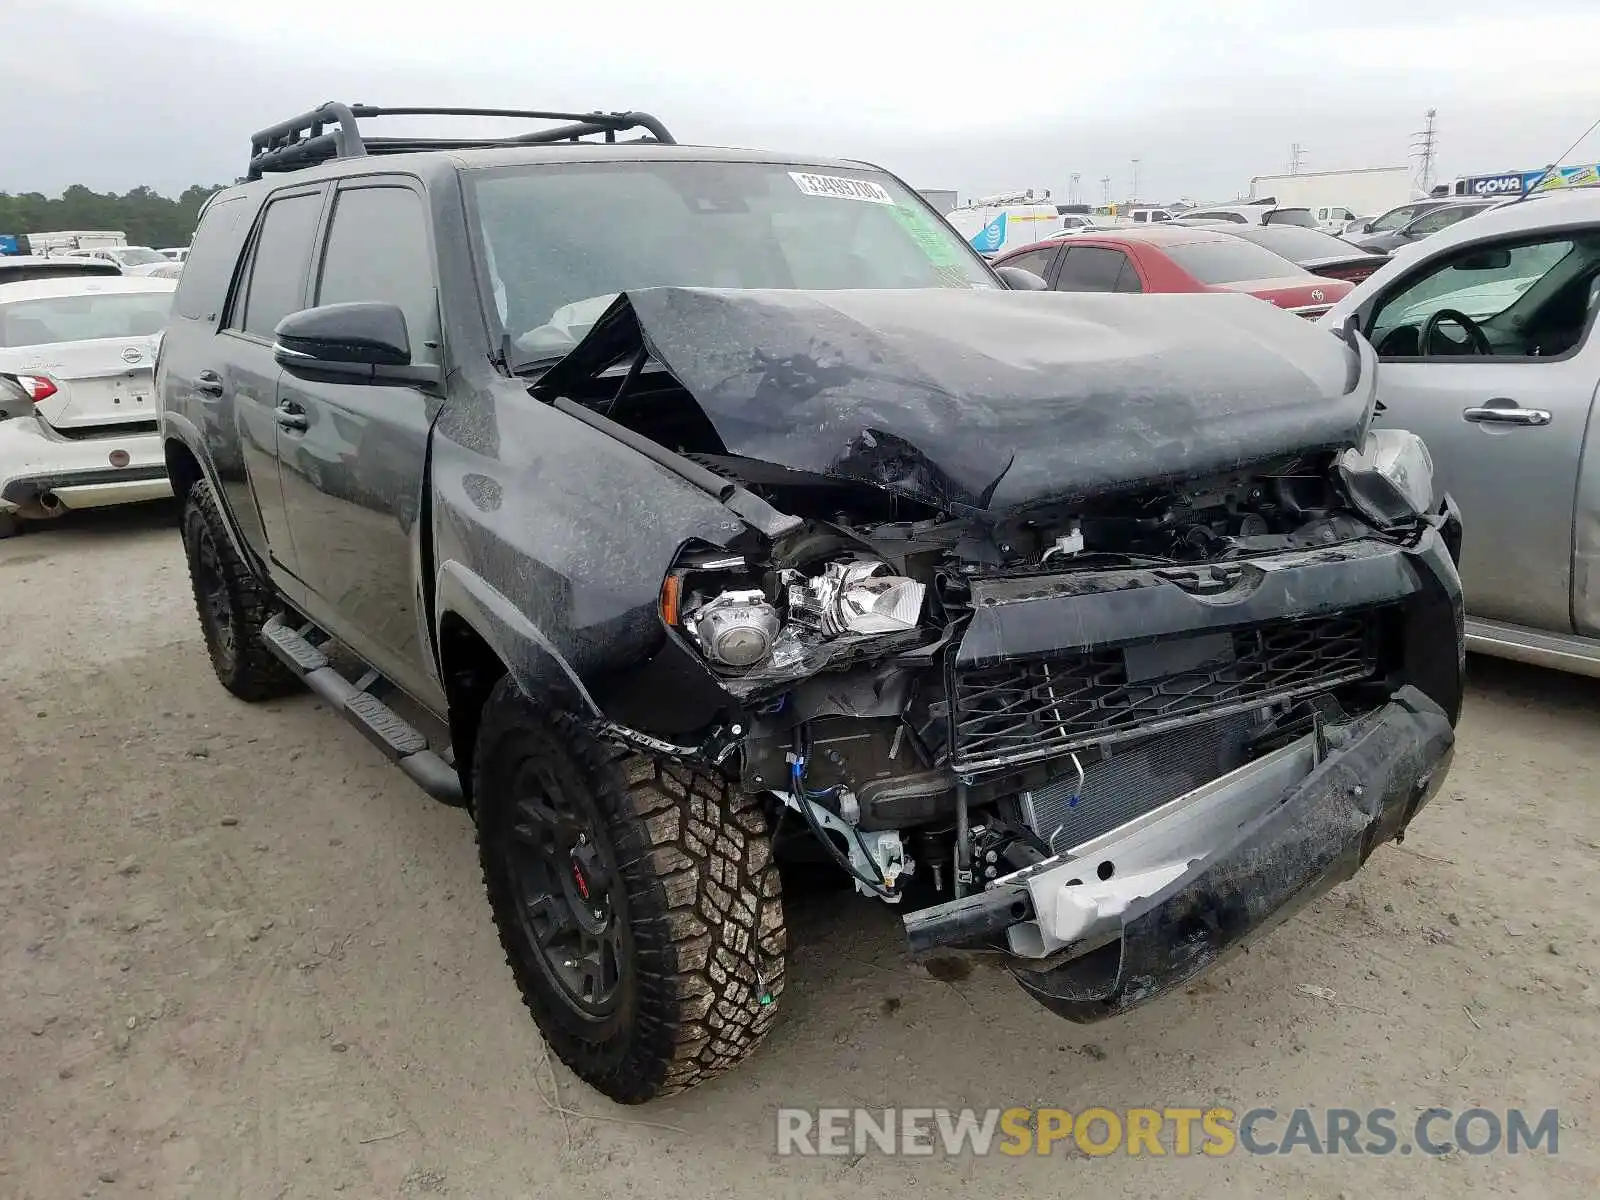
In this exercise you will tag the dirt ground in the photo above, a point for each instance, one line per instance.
(241, 956)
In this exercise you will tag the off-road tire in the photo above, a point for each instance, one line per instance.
(10, 525)
(701, 903)
(242, 662)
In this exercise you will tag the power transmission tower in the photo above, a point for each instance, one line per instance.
(1425, 145)
(1072, 187)
(1297, 155)
(1105, 188)
(1133, 195)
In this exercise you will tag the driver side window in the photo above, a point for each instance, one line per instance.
(1506, 301)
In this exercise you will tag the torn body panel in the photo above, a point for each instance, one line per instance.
(983, 398)
(1026, 621)
(1305, 821)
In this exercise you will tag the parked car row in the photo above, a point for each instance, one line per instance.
(133, 260)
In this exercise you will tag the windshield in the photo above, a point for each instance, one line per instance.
(1292, 216)
(1229, 260)
(1293, 242)
(83, 318)
(1397, 217)
(137, 256)
(560, 241)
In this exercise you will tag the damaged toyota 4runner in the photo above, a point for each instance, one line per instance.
(686, 511)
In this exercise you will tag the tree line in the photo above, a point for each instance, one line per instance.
(149, 219)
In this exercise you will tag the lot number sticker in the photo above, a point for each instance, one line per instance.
(840, 188)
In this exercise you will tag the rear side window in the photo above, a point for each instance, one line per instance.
(1230, 261)
(278, 271)
(1440, 218)
(377, 249)
(1096, 269)
(203, 286)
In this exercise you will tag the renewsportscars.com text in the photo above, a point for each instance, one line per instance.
(1158, 1132)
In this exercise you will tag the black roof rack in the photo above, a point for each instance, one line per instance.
(331, 132)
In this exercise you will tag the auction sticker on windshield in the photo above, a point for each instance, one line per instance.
(840, 188)
(940, 249)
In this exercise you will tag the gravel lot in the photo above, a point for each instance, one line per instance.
(243, 957)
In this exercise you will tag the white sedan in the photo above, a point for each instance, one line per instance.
(77, 410)
(134, 260)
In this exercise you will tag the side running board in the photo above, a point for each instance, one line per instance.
(383, 727)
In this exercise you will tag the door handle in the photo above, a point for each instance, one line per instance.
(288, 418)
(209, 383)
(1506, 412)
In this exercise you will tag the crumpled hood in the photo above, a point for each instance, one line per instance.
(991, 398)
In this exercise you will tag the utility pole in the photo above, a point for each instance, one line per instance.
(1297, 154)
(1072, 187)
(1425, 145)
(1133, 197)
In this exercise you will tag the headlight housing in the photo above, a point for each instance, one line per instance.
(1390, 479)
(749, 620)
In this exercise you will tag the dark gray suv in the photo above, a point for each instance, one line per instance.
(726, 509)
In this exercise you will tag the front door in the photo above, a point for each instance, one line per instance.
(354, 455)
(1488, 355)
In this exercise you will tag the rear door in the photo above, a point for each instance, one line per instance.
(1095, 269)
(1506, 429)
(244, 375)
(354, 455)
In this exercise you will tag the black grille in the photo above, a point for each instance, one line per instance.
(1024, 711)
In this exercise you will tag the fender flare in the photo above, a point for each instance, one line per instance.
(540, 670)
(179, 429)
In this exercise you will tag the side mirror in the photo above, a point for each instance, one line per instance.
(1019, 280)
(361, 342)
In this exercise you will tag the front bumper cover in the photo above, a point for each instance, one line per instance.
(1197, 877)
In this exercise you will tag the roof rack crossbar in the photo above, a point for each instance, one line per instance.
(331, 131)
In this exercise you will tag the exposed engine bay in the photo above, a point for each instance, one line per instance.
(841, 643)
(954, 675)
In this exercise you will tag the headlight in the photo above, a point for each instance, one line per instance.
(1390, 479)
(716, 602)
(855, 597)
(736, 629)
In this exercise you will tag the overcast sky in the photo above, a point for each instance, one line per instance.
(984, 96)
